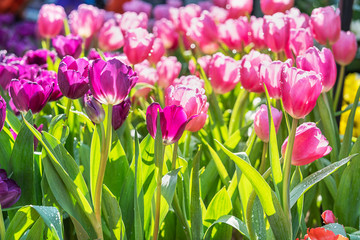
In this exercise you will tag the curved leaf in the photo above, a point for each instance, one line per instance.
(231, 221)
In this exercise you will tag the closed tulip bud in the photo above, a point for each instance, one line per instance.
(194, 102)
(167, 69)
(345, 48)
(157, 51)
(138, 7)
(328, 217)
(110, 36)
(238, 8)
(300, 91)
(235, 33)
(270, 75)
(309, 145)
(261, 122)
(132, 20)
(203, 29)
(73, 77)
(94, 109)
(137, 46)
(2, 112)
(276, 32)
(10, 191)
(111, 81)
(67, 45)
(7, 73)
(269, 7)
(320, 20)
(120, 113)
(85, 21)
(320, 62)
(50, 20)
(165, 30)
(300, 40)
(250, 71)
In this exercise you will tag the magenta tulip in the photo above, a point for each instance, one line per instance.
(110, 36)
(9, 191)
(167, 69)
(235, 33)
(328, 217)
(50, 77)
(111, 81)
(7, 73)
(73, 77)
(50, 20)
(238, 8)
(67, 45)
(249, 71)
(309, 145)
(345, 48)
(138, 44)
(220, 15)
(165, 30)
(320, 20)
(2, 112)
(320, 62)
(261, 122)
(300, 40)
(300, 90)
(276, 32)
(39, 57)
(157, 51)
(85, 21)
(120, 113)
(269, 7)
(94, 109)
(138, 7)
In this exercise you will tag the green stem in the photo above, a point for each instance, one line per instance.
(67, 110)
(339, 87)
(263, 158)
(160, 161)
(287, 170)
(249, 223)
(285, 114)
(2, 225)
(175, 151)
(237, 110)
(187, 143)
(180, 215)
(161, 96)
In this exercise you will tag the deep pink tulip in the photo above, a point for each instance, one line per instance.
(269, 7)
(220, 15)
(309, 145)
(328, 217)
(173, 120)
(297, 19)
(235, 33)
(261, 122)
(120, 113)
(111, 81)
(165, 30)
(203, 29)
(146, 75)
(300, 40)
(186, 14)
(131, 20)
(345, 48)
(167, 69)
(138, 44)
(257, 32)
(157, 51)
(93, 109)
(67, 45)
(84, 21)
(28, 95)
(7, 73)
(320, 20)
(276, 32)
(220, 3)
(161, 11)
(10, 191)
(28, 72)
(39, 57)
(190, 81)
(110, 36)
(238, 8)
(138, 7)
(73, 77)
(320, 62)
(2, 112)
(270, 75)
(300, 90)
(250, 71)
(203, 62)
(50, 20)
(50, 77)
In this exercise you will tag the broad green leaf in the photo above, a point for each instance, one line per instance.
(231, 221)
(297, 211)
(36, 231)
(59, 129)
(6, 146)
(314, 178)
(237, 110)
(13, 121)
(139, 221)
(95, 156)
(336, 228)
(195, 208)
(220, 166)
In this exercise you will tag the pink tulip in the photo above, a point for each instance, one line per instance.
(193, 100)
(257, 32)
(165, 30)
(146, 75)
(235, 33)
(138, 7)
(223, 73)
(205, 5)
(238, 8)
(157, 51)
(261, 122)
(203, 62)
(190, 81)
(218, 14)
(168, 69)
(249, 71)
(276, 32)
(269, 7)
(297, 19)
(320, 20)
(203, 29)
(309, 145)
(67, 45)
(270, 75)
(174, 3)
(138, 44)
(110, 36)
(50, 20)
(131, 20)
(345, 48)
(85, 20)
(161, 11)
(300, 90)
(328, 217)
(320, 62)
(186, 14)
(300, 40)
(220, 3)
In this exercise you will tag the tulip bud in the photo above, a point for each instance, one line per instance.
(345, 48)
(235, 33)
(297, 19)
(161, 11)
(300, 40)
(50, 20)
(67, 45)
(167, 69)
(10, 191)
(85, 21)
(189, 81)
(157, 51)
(238, 8)
(50, 77)
(94, 109)
(257, 32)
(203, 61)
(39, 57)
(276, 32)
(261, 122)
(110, 36)
(269, 7)
(328, 217)
(137, 45)
(120, 113)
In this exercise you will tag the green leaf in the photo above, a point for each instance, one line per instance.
(95, 156)
(13, 121)
(336, 228)
(36, 231)
(231, 221)
(220, 166)
(237, 110)
(6, 146)
(139, 221)
(58, 128)
(314, 178)
(195, 207)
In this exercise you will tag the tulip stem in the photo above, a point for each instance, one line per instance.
(263, 158)
(2, 225)
(159, 160)
(339, 87)
(285, 114)
(187, 143)
(287, 170)
(67, 110)
(175, 151)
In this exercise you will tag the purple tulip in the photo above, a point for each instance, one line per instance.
(7, 73)
(173, 120)
(94, 109)
(67, 45)
(120, 113)
(111, 81)
(9, 191)
(28, 95)
(38, 57)
(50, 77)
(2, 112)
(73, 77)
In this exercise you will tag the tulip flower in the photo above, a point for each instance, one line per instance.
(190, 81)
(111, 81)
(67, 45)
(85, 21)
(9, 191)
(270, 74)
(223, 73)
(165, 30)
(173, 120)
(299, 41)
(309, 145)
(297, 19)
(2, 112)
(300, 90)
(328, 217)
(157, 51)
(249, 71)
(186, 14)
(120, 113)
(320, 20)
(220, 15)
(132, 20)
(345, 48)
(167, 69)
(238, 8)
(50, 20)
(174, 3)
(7, 73)
(203, 29)
(161, 11)
(322, 233)
(194, 102)
(94, 109)
(146, 75)
(235, 33)
(257, 32)
(276, 32)
(50, 77)
(137, 46)
(269, 7)
(73, 77)
(138, 7)
(220, 3)
(320, 62)
(38, 57)
(28, 95)
(203, 62)
(261, 122)
(110, 36)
